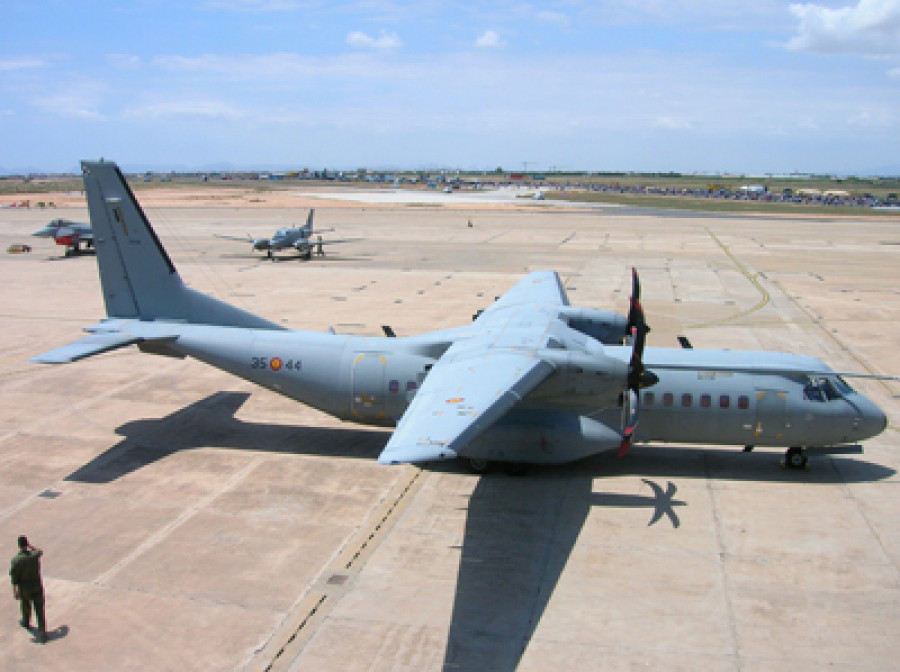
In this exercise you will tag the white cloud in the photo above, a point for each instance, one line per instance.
(361, 40)
(206, 109)
(254, 5)
(871, 27)
(671, 123)
(489, 39)
(78, 99)
(874, 118)
(558, 18)
(71, 106)
(277, 66)
(21, 63)
(124, 61)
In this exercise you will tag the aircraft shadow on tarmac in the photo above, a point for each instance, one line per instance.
(210, 422)
(511, 563)
(519, 531)
(288, 257)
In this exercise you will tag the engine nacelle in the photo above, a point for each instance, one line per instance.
(584, 379)
(604, 325)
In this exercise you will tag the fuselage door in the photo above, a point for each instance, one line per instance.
(771, 417)
(367, 399)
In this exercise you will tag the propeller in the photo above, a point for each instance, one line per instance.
(638, 376)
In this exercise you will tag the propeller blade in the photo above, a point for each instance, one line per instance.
(638, 376)
(630, 412)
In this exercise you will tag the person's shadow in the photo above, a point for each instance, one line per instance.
(52, 635)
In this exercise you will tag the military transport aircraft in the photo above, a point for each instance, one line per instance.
(299, 238)
(68, 233)
(531, 380)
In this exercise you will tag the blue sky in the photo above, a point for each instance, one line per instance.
(682, 85)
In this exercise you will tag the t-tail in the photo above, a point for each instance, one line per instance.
(137, 276)
(138, 279)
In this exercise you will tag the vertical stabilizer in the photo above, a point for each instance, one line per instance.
(138, 279)
(308, 227)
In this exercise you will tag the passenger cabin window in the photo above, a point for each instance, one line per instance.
(705, 401)
(394, 386)
(668, 399)
(687, 400)
(743, 402)
(648, 398)
(724, 401)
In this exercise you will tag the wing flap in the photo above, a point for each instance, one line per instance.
(460, 399)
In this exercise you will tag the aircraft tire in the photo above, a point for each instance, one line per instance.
(477, 466)
(794, 458)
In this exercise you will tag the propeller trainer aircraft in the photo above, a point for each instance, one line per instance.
(531, 380)
(298, 238)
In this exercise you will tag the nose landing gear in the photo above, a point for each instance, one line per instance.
(795, 458)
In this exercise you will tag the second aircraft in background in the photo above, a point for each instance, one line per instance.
(301, 238)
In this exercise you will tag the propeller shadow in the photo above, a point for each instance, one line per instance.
(520, 533)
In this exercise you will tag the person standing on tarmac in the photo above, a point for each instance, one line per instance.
(25, 574)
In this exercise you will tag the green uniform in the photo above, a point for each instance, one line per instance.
(25, 574)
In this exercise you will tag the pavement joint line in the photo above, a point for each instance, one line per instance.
(742, 269)
(819, 322)
(316, 609)
(189, 513)
(848, 492)
(723, 571)
(155, 538)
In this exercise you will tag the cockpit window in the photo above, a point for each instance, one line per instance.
(826, 388)
(842, 386)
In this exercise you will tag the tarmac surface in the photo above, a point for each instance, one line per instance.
(191, 521)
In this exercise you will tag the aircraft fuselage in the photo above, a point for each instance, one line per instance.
(372, 380)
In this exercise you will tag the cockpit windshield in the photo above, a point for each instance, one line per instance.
(826, 388)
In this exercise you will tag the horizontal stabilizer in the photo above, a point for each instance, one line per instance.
(85, 347)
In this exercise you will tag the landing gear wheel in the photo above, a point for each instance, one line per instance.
(477, 466)
(795, 458)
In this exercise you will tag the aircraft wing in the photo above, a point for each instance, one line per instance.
(537, 290)
(482, 375)
(463, 395)
(243, 239)
(332, 241)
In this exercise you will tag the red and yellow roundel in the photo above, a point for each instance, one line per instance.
(275, 363)
(455, 400)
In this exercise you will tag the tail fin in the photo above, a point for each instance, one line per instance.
(138, 279)
(308, 227)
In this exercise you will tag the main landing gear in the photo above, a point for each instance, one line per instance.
(795, 458)
(478, 466)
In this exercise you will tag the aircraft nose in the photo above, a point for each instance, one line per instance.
(869, 420)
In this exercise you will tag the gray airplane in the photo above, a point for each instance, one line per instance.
(532, 379)
(68, 233)
(301, 238)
